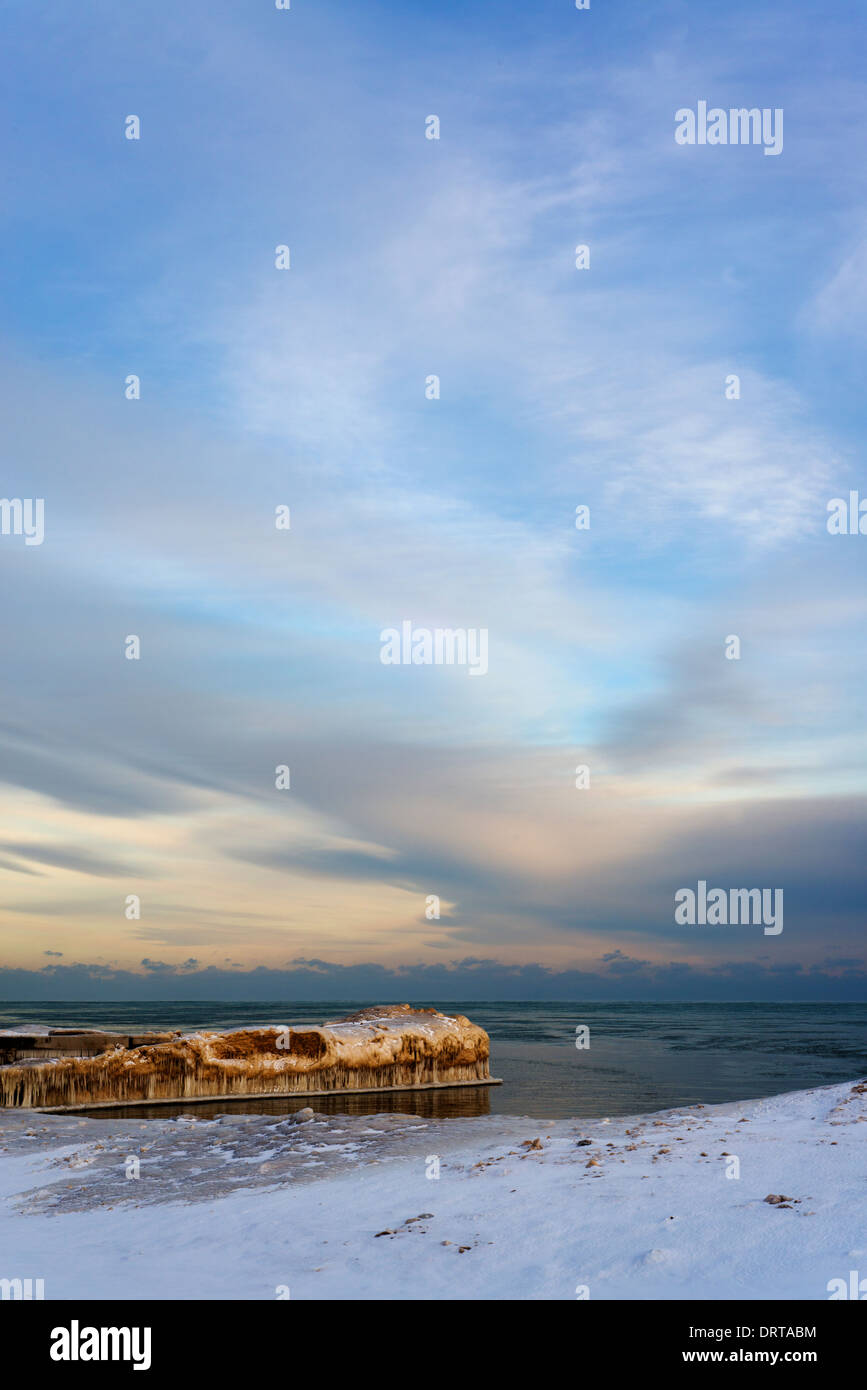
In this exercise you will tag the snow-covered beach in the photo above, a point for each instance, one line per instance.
(663, 1206)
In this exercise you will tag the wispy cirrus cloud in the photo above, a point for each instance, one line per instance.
(604, 387)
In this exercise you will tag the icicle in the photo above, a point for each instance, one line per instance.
(390, 1047)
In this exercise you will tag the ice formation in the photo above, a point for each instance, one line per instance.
(382, 1048)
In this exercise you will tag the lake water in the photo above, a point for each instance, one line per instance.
(641, 1057)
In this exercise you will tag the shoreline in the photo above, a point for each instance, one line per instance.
(670, 1204)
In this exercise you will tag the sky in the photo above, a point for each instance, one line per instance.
(149, 786)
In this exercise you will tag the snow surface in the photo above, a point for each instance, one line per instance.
(247, 1206)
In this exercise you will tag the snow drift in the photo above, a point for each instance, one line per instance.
(383, 1048)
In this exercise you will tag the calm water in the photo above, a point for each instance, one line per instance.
(641, 1057)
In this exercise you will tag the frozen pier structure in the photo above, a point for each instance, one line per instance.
(391, 1047)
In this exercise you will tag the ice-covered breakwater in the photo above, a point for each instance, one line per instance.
(382, 1048)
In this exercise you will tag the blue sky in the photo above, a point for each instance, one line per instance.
(559, 387)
